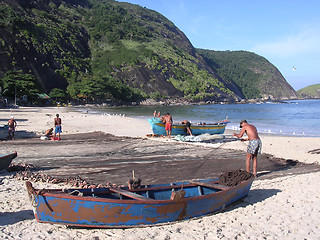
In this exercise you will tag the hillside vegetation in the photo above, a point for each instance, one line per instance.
(312, 91)
(94, 50)
(253, 74)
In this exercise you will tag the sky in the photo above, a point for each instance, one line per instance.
(285, 32)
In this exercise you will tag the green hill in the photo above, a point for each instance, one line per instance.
(253, 74)
(312, 91)
(99, 50)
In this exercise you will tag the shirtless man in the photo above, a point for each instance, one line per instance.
(48, 133)
(188, 125)
(57, 125)
(167, 119)
(12, 127)
(156, 115)
(254, 146)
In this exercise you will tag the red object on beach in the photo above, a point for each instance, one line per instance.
(55, 138)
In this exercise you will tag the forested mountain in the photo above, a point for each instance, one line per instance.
(253, 74)
(96, 50)
(312, 91)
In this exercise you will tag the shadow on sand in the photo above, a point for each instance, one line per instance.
(254, 196)
(17, 134)
(8, 218)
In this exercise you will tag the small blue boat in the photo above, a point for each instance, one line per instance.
(124, 207)
(158, 128)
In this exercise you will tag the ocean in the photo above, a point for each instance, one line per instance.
(295, 117)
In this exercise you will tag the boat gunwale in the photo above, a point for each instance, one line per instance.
(9, 154)
(6, 159)
(195, 126)
(134, 201)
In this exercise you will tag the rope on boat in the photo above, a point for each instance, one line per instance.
(76, 191)
(33, 200)
(35, 196)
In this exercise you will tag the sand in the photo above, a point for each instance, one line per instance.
(281, 208)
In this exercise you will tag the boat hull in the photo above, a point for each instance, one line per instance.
(180, 129)
(100, 212)
(6, 159)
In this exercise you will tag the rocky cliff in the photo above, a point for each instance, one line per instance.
(97, 50)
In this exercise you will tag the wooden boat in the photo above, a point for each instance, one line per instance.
(6, 159)
(158, 127)
(123, 208)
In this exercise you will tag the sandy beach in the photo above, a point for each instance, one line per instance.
(285, 207)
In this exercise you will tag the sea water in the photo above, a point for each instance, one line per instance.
(295, 117)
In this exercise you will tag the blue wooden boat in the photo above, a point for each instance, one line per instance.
(6, 159)
(123, 208)
(158, 127)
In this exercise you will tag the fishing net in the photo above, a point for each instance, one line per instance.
(233, 178)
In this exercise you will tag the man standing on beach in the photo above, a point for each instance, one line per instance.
(12, 127)
(167, 119)
(254, 146)
(57, 125)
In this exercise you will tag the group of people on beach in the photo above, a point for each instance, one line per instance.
(253, 149)
(12, 124)
(167, 120)
(57, 125)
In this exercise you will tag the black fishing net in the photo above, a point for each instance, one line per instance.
(233, 178)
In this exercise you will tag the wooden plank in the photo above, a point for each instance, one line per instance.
(211, 185)
(130, 194)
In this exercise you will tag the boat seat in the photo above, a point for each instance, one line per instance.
(130, 194)
(211, 185)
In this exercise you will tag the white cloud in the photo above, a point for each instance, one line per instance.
(305, 42)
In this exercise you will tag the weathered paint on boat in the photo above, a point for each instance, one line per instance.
(6, 159)
(122, 208)
(158, 127)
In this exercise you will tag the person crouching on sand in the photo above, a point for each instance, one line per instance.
(48, 133)
(254, 147)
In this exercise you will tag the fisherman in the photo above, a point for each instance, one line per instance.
(167, 119)
(188, 125)
(255, 145)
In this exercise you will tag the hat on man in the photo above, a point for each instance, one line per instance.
(242, 121)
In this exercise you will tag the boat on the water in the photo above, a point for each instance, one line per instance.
(6, 159)
(158, 127)
(123, 207)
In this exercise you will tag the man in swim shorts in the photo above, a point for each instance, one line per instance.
(255, 144)
(12, 127)
(167, 119)
(57, 126)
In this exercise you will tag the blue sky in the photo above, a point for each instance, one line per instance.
(285, 32)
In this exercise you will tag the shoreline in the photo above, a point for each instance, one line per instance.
(281, 125)
(33, 122)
